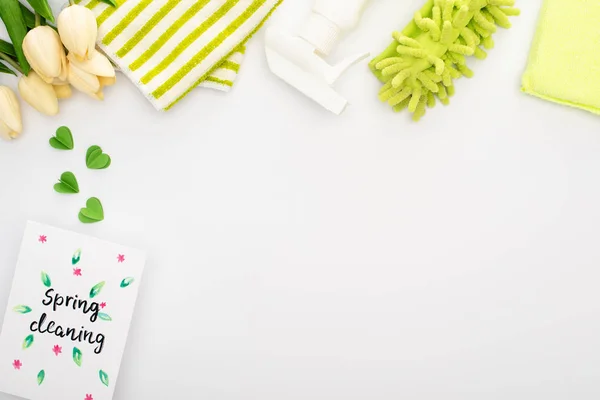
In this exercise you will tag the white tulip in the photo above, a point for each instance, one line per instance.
(38, 93)
(63, 91)
(45, 53)
(78, 30)
(84, 81)
(10, 114)
(97, 64)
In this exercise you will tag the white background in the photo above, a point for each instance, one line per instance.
(298, 255)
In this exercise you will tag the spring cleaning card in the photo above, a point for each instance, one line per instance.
(68, 316)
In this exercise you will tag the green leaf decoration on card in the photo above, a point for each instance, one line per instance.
(43, 8)
(12, 16)
(76, 257)
(103, 378)
(77, 356)
(63, 139)
(67, 184)
(126, 282)
(27, 342)
(46, 279)
(93, 211)
(41, 376)
(22, 309)
(104, 317)
(96, 159)
(111, 3)
(96, 289)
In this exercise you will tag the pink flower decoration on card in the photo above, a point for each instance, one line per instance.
(121, 258)
(57, 350)
(17, 364)
(88, 397)
(102, 305)
(43, 239)
(77, 271)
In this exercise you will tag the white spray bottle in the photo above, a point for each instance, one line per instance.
(298, 60)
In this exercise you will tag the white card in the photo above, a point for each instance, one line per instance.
(68, 316)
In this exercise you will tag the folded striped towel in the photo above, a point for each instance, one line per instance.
(169, 47)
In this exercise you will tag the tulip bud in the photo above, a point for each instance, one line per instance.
(10, 114)
(45, 53)
(78, 30)
(63, 91)
(38, 94)
(104, 81)
(97, 64)
(84, 81)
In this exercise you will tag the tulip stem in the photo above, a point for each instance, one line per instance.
(38, 19)
(12, 62)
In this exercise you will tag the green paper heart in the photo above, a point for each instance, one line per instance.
(96, 159)
(67, 184)
(92, 212)
(63, 139)
(90, 151)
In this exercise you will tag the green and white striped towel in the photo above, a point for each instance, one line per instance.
(168, 47)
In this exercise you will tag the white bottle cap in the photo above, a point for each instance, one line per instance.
(321, 33)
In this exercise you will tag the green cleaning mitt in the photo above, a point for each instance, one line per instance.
(564, 62)
(422, 62)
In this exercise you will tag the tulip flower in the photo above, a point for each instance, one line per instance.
(78, 30)
(97, 64)
(10, 114)
(45, 53)
(104, 81)
(85, 82)
(38, 93)
(63, 91)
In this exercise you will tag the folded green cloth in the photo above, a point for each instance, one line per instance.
(564, 63)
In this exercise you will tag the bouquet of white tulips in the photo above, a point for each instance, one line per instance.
(49, 59)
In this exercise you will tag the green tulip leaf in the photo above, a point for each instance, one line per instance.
(41, 377)
(22, 309)
(103, 377)
(77, 356)
(27, 342)
(67, 184)
(96, 290)
(126, 282)
(5, 70)
(7, 48)
(92, 212)
(11, 14)
(28, 16)
(76, 257)
(43, 8)
(104, 317)
(63, 139)
(46, 279)
(95, 158)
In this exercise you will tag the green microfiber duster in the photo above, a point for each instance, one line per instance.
(431, 52)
